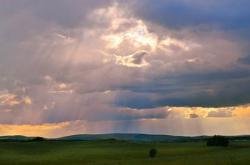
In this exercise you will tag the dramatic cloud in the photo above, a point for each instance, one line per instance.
(67, 66)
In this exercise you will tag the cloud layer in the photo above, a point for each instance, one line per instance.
(84, 61)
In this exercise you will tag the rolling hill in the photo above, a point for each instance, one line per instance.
(122, 137)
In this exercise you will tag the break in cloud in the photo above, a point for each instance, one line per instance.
(86, 66)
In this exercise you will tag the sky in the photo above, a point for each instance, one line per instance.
(177, 67)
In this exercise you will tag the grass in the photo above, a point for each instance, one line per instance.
(121, 153)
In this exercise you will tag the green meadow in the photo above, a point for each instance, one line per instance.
(121, 153)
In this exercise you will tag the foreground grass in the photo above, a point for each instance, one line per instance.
(121, 153)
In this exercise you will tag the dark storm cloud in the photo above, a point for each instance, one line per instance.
(245, 60)
(228, 14)
(217, 89)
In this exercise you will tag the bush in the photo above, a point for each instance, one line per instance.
(218, 141)
(152, 153)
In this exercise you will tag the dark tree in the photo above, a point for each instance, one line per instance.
(218, 141)
(38, 139)
(152, 153)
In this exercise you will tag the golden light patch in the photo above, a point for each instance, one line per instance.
(242, 111)
(9, 99)
(27, 100)
(31, 130)
(203, 112)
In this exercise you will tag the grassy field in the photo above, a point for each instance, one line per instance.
(121, 153)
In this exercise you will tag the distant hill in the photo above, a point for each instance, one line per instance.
(131, 137)
(20, 138)
(122, 137)
(15, 138)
